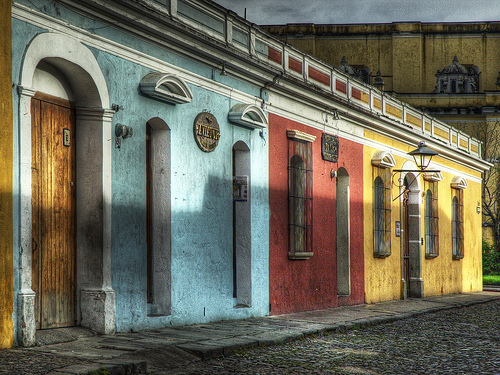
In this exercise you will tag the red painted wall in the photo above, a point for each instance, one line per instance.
(302, 285)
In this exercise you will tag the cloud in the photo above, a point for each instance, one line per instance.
(266, 12)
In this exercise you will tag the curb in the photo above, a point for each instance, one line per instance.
(104, 368)
(210, 349)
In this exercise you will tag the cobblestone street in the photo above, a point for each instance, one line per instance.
(457, 341)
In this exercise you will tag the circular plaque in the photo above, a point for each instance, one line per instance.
(206, 131)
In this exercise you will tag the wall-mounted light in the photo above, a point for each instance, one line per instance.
(123, 131)
(422, 156)
(333, 174)
(223, 70)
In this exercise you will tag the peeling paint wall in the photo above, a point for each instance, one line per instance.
(301, 285)
(201, 183)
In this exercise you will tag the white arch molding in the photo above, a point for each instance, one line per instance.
(95, 296)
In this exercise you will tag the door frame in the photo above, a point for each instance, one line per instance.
(413, 235)
(96, 306)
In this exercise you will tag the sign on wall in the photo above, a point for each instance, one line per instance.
(206, 131)
(330, 147)
(240, 188)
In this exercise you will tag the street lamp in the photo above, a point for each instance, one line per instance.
(422, 156)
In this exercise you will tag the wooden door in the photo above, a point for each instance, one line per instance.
(53, 211)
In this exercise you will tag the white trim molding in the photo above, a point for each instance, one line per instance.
(458, 182)
(432, 176)
(295, 134)
(383, 159)
(248, 115)
(166, 87)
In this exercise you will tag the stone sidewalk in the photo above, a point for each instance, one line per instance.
(163, 350)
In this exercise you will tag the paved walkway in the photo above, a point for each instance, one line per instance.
(177, 347)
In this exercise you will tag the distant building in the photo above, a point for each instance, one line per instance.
(448, 70)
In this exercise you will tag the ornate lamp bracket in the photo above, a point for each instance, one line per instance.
(422, 157)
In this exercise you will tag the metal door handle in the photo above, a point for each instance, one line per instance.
(36, 245)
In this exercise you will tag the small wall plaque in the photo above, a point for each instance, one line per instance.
(330, 147)
(66, 137)
(206, 131)
(398, 229)
(240, 188)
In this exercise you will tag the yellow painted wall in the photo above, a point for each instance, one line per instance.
(441, 275)
(6, 144)
(382, 275)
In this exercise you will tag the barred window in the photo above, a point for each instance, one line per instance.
(431, 222)
(458, 225)
(300, 199)
(382, 213)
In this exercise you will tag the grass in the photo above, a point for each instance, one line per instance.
(491, 280)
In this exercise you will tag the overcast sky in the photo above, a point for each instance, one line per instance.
(277, 12)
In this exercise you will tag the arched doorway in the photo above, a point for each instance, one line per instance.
(53, 200)
(411, 239)
(69, 68)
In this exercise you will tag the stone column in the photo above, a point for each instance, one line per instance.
(26, 297)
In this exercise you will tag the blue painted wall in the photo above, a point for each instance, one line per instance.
(201, 186)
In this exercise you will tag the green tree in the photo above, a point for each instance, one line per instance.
(489, 134)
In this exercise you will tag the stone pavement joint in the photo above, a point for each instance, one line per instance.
(166, 349)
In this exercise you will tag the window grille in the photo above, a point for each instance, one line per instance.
(382, 212)
(300, 199)
(458, 225)
(431, 221)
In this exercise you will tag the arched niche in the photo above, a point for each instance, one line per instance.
(343, 233)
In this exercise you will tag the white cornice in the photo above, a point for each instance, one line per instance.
(248, 68)
(51, 24)
(296, 134)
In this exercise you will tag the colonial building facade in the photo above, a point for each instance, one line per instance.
(185, 167)
(448, 70)
(131, 144)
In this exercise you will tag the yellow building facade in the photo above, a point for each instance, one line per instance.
(409, 269)
(6, 152)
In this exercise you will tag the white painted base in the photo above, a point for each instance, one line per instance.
(26, 319)
(99, 310)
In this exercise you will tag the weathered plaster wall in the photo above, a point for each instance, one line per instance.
(201, 185)
(443, 274)
(201, 205)
(6, 187)
(382, 275)
(300, 285)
